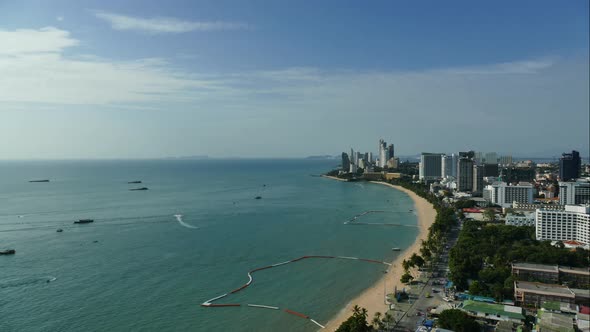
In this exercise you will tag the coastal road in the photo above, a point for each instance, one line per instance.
(413, 312)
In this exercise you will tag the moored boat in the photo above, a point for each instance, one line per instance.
(84, 221)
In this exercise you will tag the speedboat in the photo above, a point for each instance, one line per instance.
(84, 221)
(7, 252)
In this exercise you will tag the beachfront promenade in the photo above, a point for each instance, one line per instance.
(374, 298)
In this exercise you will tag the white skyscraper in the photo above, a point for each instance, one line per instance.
(353, 163)
(382, 153)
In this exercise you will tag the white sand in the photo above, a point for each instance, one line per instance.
(372, 298)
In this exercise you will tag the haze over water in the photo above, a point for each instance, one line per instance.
(149, 271)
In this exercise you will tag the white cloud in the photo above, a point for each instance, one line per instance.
(164, 24)
(23, 41)
(308, 108)
(60, 18)
(34, 69)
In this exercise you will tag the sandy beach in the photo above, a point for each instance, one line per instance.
(372, 298)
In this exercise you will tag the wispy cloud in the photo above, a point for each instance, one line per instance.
(164, 24)
(35, 70)
(515, 67)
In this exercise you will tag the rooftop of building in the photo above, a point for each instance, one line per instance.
(536, 267)
(493, 309)
(553, 321)
(575, 270)
(537, 287)
(506, 326)
(581, 292)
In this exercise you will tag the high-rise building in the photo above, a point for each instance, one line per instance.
(478, 174)
(572, 224)
(345, 162)
(465, 171)
(430, 166)
(491, 158)
(577, 192)
(390, 152)
(446, 166)
(382, 153)
(478, 157)
(353, 164)
(370, 158)
(490, 170)
(357, 158)
(502, 194)
(569, 166)
(454, 163)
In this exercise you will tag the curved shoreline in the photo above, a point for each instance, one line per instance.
(372, 298)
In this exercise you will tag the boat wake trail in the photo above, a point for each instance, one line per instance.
(17, 282)
(179, 218)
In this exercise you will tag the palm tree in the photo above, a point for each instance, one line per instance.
(376, 322)
(356, 310)
(387, 320)
(364, 312)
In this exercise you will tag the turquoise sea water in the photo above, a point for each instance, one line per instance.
(149, 272)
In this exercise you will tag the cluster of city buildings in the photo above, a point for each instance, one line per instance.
(553, 198)
(364, 162)
(559, 292)
(556, 202)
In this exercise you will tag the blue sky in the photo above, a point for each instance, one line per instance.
(111, 79)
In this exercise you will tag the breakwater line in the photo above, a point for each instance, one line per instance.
(353, 220)
(209, 303)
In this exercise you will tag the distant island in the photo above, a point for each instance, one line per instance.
(199, 157)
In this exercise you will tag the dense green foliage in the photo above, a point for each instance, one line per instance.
(484, 252)
(445, 220)
(357, 322)
(458, 321)
(466, 203)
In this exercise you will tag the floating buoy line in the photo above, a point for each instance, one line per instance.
(353, 220)
(209, 303)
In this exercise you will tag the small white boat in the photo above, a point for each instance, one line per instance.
(396, 249)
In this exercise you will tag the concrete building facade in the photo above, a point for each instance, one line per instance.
(505, 195)
(430, 166)
(571, 224)
(465, 174)
(574, 192)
